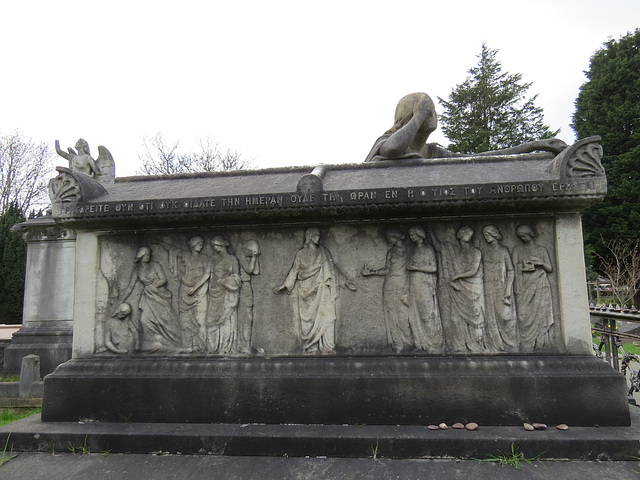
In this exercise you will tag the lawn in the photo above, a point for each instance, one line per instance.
(9, 415)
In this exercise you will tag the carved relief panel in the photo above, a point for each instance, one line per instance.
(456, 287)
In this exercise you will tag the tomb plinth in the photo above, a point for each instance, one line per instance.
(47, 316)
(398, 292)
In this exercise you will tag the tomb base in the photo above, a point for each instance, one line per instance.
(403, 390)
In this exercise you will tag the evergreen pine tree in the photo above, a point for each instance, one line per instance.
(13, 255)
(609, 105)
(490, 110)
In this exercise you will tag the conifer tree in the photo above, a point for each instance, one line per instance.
(490, 110)
(609, 105)
(13, 254)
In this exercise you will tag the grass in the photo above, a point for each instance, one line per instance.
(513, 458)
(375, 451)
(4, 457)
(9, 415)
(82, 449)
(11, 378)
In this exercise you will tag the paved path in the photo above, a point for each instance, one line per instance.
(67, 466)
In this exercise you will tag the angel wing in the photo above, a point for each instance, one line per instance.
(106, 165)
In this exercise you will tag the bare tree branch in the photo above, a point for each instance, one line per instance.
(622, 268)
(25, 167)
(161, 158)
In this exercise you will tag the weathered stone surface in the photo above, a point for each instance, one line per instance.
(375, 390)
(451, 288)
(47, 316)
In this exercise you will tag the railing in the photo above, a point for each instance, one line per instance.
(604, 322)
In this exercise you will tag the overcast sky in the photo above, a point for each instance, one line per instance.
(284, 82)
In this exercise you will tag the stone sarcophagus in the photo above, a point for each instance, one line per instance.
(410, 291)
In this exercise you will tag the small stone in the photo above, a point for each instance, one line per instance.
(539, 426)
(458, 426)
(471, 426)
(562, 426)
(433, 427)
(528, 427)
(443, 426)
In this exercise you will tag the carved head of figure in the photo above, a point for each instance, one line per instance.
(526, 233)
(123, 311)
(408, 107)
(219, 244)
(251, 248)
(312, 235)
(417, 234)
(143, 255)
(491, 233)
(82, 147)
(465, 234)
(196, 243)
(394, 236)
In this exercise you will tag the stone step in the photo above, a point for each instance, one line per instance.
(351, 441)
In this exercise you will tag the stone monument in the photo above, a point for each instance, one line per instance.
(418, 287)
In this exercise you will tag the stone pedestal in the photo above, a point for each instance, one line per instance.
(47, 317)
(401, 292)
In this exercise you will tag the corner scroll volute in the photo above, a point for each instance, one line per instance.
(73, 187)
(582, 159)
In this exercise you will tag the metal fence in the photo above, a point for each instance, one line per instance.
(612, 324)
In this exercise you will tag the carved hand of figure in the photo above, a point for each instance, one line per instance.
(478, 334)
(281, 289)
(506, 299)
(453, 285)
(405, 299)
(423, 108)
(366, 270)
(554, 145)
(350, 284)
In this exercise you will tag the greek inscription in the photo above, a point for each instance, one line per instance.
(410, 193)
(169, 205)
(360, 195)
(124, 207)
(271, 200)
(331, 197)
(228, 202)
(472, 190)
(444, 192)
(513, 188)
(390, 194)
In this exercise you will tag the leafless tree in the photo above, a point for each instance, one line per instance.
(160, 157)
(622, 268)
(25, 168)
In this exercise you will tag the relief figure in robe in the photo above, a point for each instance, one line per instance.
(395, 292)
(249, 266)
(500, 306)
(424, 319)
(316, 280)
(462, 290)
(224, 292)
(159, 328)
(191, 267)
(533, 292)
(120, 335)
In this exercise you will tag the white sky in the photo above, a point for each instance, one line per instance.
(284, 82)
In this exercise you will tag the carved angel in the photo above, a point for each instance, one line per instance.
(103, 169)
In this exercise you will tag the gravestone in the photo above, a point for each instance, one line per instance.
(47, 316)
(403, 290)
